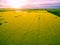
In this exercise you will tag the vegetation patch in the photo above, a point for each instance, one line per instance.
(54, 11)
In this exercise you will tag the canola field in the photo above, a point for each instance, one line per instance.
(38, 27)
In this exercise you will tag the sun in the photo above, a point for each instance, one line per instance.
(17, 3)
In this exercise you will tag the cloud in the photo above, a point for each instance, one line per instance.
(37, 6)
(5, 3)
(42, 1)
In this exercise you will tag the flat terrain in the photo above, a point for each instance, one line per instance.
(29, 28)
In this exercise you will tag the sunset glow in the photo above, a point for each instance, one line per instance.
(21, 3)
(16, 3)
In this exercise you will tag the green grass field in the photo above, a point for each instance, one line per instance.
(30, 27)
(54, 11)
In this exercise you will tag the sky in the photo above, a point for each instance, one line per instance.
(20, 3)
(43, 1)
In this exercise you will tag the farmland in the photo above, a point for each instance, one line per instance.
(54, 11)
(29, 27)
